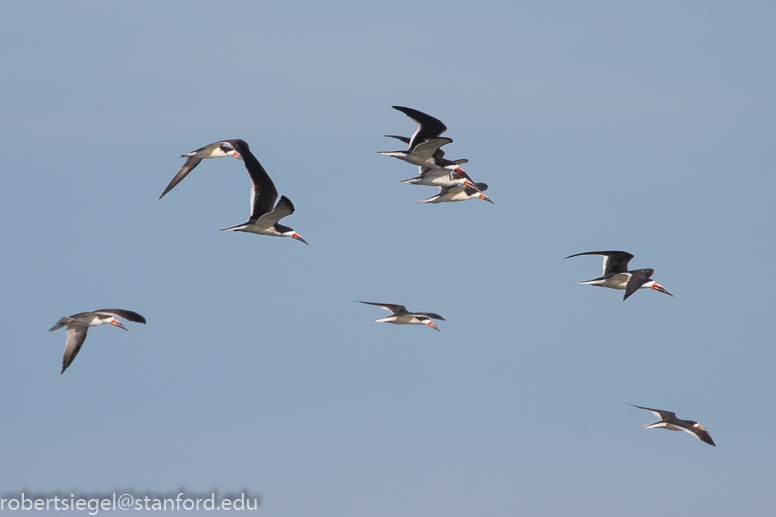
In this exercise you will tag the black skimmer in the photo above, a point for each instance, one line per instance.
(668, 420)
(264, 213)
(401, 316)
(459, 193)
(78, 324)
(423, 148)
(215, 150)
(445, 173)
(440, 178)
(617, 276)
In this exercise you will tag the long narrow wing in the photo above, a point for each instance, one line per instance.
(664, 415)
(196, 156)
(75, 340)
(263, 191)
(614, 261)
(426, 149)
(638, 278)
(430, 315)
(396, 309)
(702, 435)
(428, 126)
(182, 173)
(127, 315)
(284, 208)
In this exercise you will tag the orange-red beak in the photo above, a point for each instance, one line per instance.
(117, 323)
(658, 287)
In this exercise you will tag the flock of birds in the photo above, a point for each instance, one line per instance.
(424, 149)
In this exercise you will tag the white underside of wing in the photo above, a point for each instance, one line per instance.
(402, 320)
(387, 319)
(264, 223)
(688, 431)
(412, 138)
(278, 213)
(75, 339)
(616, 282)
(663, 425)
(253, 196)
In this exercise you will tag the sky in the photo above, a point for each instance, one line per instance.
(603, 125)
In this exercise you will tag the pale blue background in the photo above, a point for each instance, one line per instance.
(648, 127)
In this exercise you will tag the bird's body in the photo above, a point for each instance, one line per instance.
(424, 154)
(444, 173)
(617, 276)
(440, 178)
(459, 193)
(423, 147)
(264, 213)
(78, 324)
(219, 149)
(669, 420)
(401, 316)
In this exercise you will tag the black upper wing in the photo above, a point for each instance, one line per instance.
(614, 261)
(127, 315)
(664, 415)
(703, 435)
(428, 126)
(396, 309)
(263, 191)
(430, 315)
(638, 278)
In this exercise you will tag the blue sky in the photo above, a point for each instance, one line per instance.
(649, 128)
